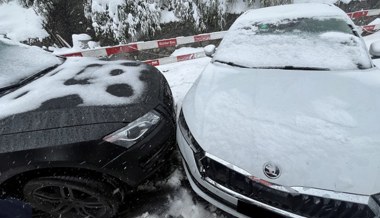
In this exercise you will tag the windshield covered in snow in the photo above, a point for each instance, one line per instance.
(325, 43)
(18, 62)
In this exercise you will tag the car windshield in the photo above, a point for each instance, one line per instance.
(327, 43)
(19, 62)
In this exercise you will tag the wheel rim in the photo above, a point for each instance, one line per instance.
(68, 200)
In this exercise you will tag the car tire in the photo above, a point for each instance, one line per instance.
(73, 197)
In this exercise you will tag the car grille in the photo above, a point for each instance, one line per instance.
(296, 203)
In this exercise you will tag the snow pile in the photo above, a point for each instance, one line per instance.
(18, 61)
(19, 23)
(184, 206)
(80, 42)
(180, 201)
(88, 78)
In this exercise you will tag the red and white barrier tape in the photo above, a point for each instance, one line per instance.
(364, 13)
(371, 28)
(140, 46)
(174, 59)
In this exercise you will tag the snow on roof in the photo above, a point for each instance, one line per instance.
(18, 61)
(94, 81)
(305, 10)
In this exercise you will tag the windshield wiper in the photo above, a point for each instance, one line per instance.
(231, 64)
(280, 68)
(28, 79)
(294, 68)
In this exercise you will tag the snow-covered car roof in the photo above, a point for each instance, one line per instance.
(18, 61)
(301, 35)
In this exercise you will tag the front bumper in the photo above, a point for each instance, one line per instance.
(241, 205)
(213, 194)
(131, 166)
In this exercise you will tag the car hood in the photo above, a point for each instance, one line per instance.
(321, 128)
(81, 92)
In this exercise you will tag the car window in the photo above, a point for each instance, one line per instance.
(18, 62)
(326, 42)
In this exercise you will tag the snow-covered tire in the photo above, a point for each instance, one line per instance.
(73, 197)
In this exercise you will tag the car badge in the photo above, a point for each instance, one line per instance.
(271, 170)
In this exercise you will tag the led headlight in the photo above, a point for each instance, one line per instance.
(134, 131)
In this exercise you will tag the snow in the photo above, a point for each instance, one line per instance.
(96, 76)
(18, 61)
(278, 13)
(295, 47)
(80, 40)
(20, 23)
(186, 50)
(372, 38)
(321, 1)
(168, 16)
(375, 22)
(306, 116)
(238, 7)
(182, 75)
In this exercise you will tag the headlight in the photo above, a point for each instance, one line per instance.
(187, 134)
(134, 131)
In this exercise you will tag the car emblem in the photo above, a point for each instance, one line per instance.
(271, 170)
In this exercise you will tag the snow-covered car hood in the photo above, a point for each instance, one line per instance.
(320, 127)
(81, 91)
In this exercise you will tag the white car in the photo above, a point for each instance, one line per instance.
(286, 117)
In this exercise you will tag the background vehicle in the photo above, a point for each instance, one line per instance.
(75, 134)
(285, 117)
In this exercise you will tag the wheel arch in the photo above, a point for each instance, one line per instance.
(13, 186)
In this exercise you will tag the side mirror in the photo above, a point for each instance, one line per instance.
(374, 49)
(209, 50)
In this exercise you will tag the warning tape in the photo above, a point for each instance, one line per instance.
(364, 13)
(140, 46)
(371, 28)
(174, 59)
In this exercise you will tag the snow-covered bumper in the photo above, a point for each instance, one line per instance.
(236, 191)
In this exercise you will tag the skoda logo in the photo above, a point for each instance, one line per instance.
(271, 170)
